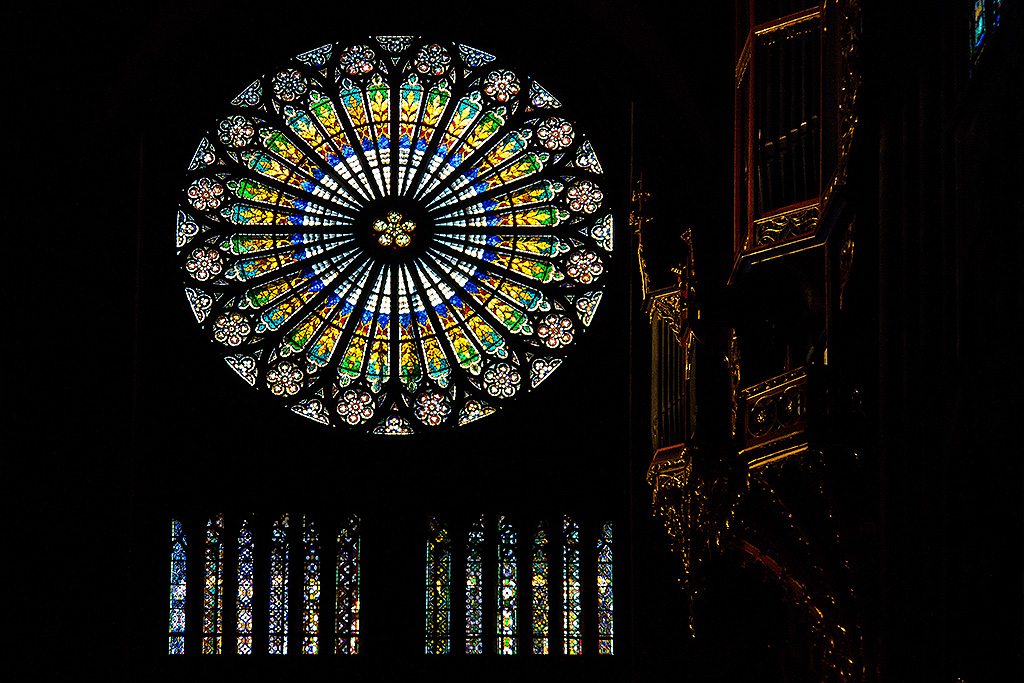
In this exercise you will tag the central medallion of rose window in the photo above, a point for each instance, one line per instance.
(394, 236)
(394, 230)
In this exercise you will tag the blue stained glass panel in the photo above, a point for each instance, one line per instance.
(278, 603)
(243, 606)
(179, 585)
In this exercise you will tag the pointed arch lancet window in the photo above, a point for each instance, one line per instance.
(237, 554)
(540, 606)
(507, 631)
(179, 585)
(475, 588)
(347, 588)
(438, 587)
(213, 589)
(278, 604)
(572, 637)
(605, 606)
(985, 18)
(978, 27)
(492, 572)
(394, 236)
(310, 588)
(243, 604)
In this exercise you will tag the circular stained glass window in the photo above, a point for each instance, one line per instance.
(394, 236)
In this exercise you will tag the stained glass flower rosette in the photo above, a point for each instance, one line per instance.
(394, 236)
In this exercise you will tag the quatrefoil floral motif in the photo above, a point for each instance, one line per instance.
(394, 230)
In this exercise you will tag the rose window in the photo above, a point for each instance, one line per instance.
(394, 236)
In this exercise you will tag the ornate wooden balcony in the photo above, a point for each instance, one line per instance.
(774, 418)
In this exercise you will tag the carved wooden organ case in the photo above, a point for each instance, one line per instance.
(749, 422)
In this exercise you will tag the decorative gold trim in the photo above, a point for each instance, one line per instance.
(781, 226)
(688, 348)
(846, 259)
(849, 86)
(788, 21)
(645, 280)
(774, 251)
(667, 307)
(637, 220)
(744, 60)
(671, 467)
(788, 211)
(680, 502)
(779, 444)
(775, 456)
(771, 385)
(781, 436)
(789, 27)
(733, 358)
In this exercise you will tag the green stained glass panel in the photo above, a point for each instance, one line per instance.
(213, 587)
(572, 609)
(474, 588)
(244, 607)
(507, 607)
(310, 588)
(438, 589)
(540, 604)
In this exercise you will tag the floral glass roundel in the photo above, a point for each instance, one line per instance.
(394, 236)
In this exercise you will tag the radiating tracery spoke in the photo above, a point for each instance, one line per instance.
(395, 235)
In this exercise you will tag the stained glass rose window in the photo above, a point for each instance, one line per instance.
(394, 236)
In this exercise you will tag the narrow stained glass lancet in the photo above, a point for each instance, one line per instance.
(213, 587)
(474, 588)
(985, 18)
(979, 24)
(572, 640)
(438, 587)
(540, 605)
(507, 631)
(278, 606)
(394, 237)
(176, 620)
(347, 588)
(243, 606)
(605, 607)
(310, 588)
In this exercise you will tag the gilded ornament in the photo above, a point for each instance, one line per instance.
(846, 260)
(799, 221)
